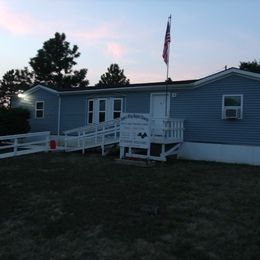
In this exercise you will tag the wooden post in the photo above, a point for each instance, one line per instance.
(149, 151)
(83, 145)
(122, 152)
(15, 146)
(103, 140)
(163, 151)
(47, 142)
(115, 127)
(96, 130)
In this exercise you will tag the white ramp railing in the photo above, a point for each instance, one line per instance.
(93, 135)
(14, 145)
(167, 130)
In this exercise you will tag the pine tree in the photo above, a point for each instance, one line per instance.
(253, 66)
(14, 82)
(113, 77)
(53, 64)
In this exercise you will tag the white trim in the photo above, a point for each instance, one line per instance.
(59, 115)
(35, 88)
(109, 108)
(116, 90)
(198, 83)
(37, 109)
(243, 154)
(168, 101)
(226, 73)
(224, 107)
(113, 107)
(101, 111)
(88, 101)
(153, 87)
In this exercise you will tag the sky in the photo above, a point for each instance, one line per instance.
(206, 35)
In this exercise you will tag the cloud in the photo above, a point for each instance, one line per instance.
(14, 23)
(141, 77)
(100, 33)
(114, 50)
(19, 23)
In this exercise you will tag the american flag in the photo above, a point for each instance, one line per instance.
(167, 40)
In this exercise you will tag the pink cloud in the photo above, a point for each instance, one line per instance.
(100, 33)
(18, 23)
(114, 50)
(142, 77)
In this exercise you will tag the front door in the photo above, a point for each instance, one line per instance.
(160, 104)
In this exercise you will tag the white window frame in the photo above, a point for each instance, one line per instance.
(39, 109)
(232, 107)
(101, 111)
(109, 108)
(91, 112)
(113, 107)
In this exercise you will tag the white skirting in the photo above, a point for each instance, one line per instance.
(242, 154)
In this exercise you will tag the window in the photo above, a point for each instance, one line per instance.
(90, 111)
(102, 110)
(117, 108)
(232, 106)
(39, 109)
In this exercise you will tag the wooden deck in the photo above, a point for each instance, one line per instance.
(104, 134)
(100, 135)
(170, 132)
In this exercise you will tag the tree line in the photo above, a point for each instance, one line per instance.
(53, 66)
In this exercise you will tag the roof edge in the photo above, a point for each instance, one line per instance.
(150, 86)
(225, 73)
(40, 86)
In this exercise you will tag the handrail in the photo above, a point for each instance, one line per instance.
(90, 135)
(172, 128)
(7, 137)
(109, 131)
(98, 133)
(12, 147)
(92, 126)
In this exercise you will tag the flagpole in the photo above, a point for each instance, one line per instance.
(167, 72)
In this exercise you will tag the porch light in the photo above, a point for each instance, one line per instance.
(21, 95)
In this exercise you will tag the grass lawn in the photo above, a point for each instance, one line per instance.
(69, 206)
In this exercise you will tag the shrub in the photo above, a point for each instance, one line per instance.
(14, 121)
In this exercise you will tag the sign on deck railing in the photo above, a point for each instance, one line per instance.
(135, 130)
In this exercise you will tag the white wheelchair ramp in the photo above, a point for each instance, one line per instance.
(94, 135)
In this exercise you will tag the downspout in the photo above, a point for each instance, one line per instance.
(59, 114)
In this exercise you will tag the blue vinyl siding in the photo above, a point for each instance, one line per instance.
(73, 111)
(49, 122)
(138, 102)
(201, 108)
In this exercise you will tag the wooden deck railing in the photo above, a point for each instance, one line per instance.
(171, 129)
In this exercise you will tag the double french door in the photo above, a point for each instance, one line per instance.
(103, 109)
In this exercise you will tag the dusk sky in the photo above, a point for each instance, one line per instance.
(205, 35)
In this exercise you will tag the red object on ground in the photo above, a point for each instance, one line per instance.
(53, 144)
